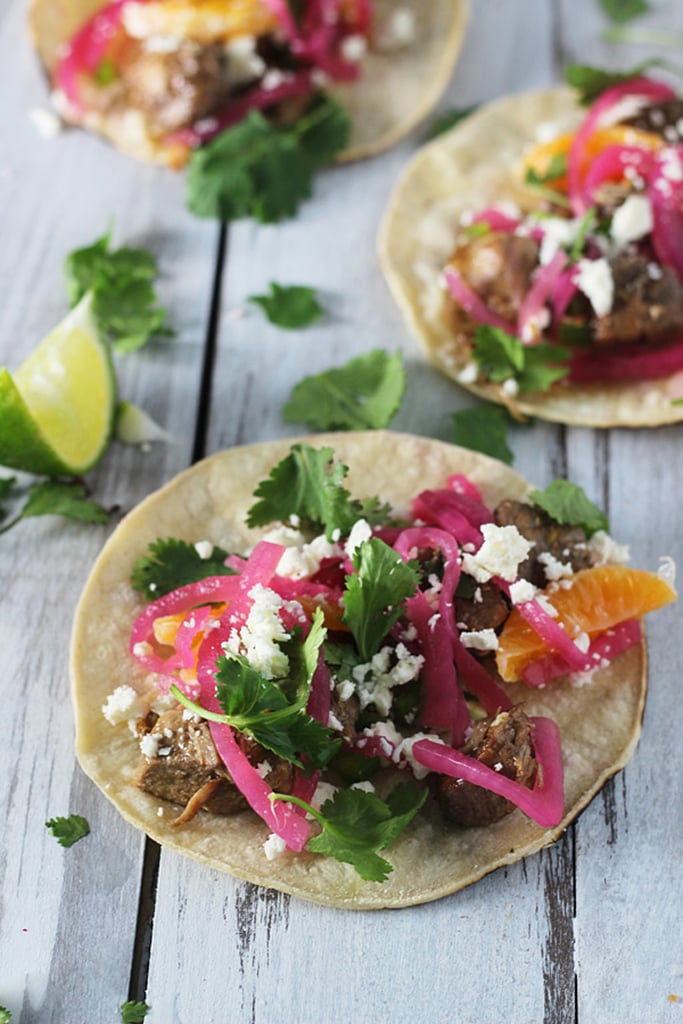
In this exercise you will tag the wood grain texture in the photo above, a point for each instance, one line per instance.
(589, 930)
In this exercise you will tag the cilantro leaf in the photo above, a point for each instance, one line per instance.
(261, 170)
(357, 824)
(308, 483)
(375, 594)
(501, 356)
(68, 831)
(124, 299)
(5, 1015)
(624, 10)
(448, 119)
(289, 306)
(591, 81)
(133, 1012)
(556, 168)
(483, 429)
(364, 393)
(60, 498)
(567, 504)
(172, 563)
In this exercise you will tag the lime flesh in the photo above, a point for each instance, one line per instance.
(57, 410)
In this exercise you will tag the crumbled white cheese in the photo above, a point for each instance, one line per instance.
(510, 387)
(522, 591)
(345, 690)
(503, 549)
(204, 548)
(376, 680)
(244, 63)
(468, 374)
(149, 744)
(594, 279)
(672, 168)
(142, 649)
(274, 846)
(398, 30)
(259, 637)
(334, 723)
(583, 642)
(480, 640)
(632, 220)
(553, 568)
(365, 785)
(122, 705)
(353, 48)
(301, 558)
(360, 532)
(264, 768)
(558, 232)
(324, 791)
(606, 551)
(432, 592)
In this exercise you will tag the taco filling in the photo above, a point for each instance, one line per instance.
(363, 667)
(575, 278)
(162, 77)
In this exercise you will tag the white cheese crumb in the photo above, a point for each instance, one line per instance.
(376, 680)
(606, 551)
(360, 532)
(632, 220)
(149, 745)
(274, 846)
(204, 548)
(122, 705)
(480, 640)
(258, 639)
(503, 549)
(594, 279)
(365, 785)
(553, 568)
(522, 591)
(353, 48)
(142, 649)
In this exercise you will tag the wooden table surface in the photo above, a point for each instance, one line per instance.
(590, 930)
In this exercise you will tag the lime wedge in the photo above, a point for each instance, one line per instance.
(57, 411)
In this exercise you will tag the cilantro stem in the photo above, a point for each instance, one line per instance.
(212, 716)
(288, 798)
(642, 36)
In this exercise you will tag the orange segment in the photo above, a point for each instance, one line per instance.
(595, 600)
(332, 612)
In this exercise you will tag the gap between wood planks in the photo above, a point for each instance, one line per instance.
(137, 987)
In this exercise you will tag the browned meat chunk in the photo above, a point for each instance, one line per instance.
(175, 89)
(498, 267)
(345, 712)
(486, 609)
(187, 760)
(661, 118)
(566, 544)
(504, 744)
(648, 304)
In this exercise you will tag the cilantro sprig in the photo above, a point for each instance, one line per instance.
(375, 593)
(483, 428)
(567, 504)
(501, 357)
(262, 170)
(624, 10)
(68, 831)
(356, 825)
(134, 1011)
(67, 498)
(274, 713)
(590, 81)
(363, 394)
(308, 483)
(125, 303)
(289, 306)
(5, 1015)
(171, 563)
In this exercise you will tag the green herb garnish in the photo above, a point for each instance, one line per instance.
(624, 10)
(308, 483)
(502, 357)
(557, 167)
(357, 824)
(363, 394)
(133, 1012)
(567, 504)
(261, 170)
(173, 563)
(375, 593)
(68, 831)
(124, 299)
(289, 306)
(591, 82)
(483, 429)
(54, 497)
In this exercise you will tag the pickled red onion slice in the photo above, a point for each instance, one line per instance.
(627, 362)
(544, 803)
(602, 650)
(471, 303)
(551, 632)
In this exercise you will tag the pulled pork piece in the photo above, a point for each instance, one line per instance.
(552, 541)
(346, 713)
(498, 267)
(647, 306)
(174, 89)
(486, 609)
(190, 763)
(504, 744)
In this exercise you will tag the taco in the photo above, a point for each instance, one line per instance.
(535, 250)
(348, 621)
(160, 78)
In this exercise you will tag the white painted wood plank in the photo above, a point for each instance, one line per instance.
(67, 928)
